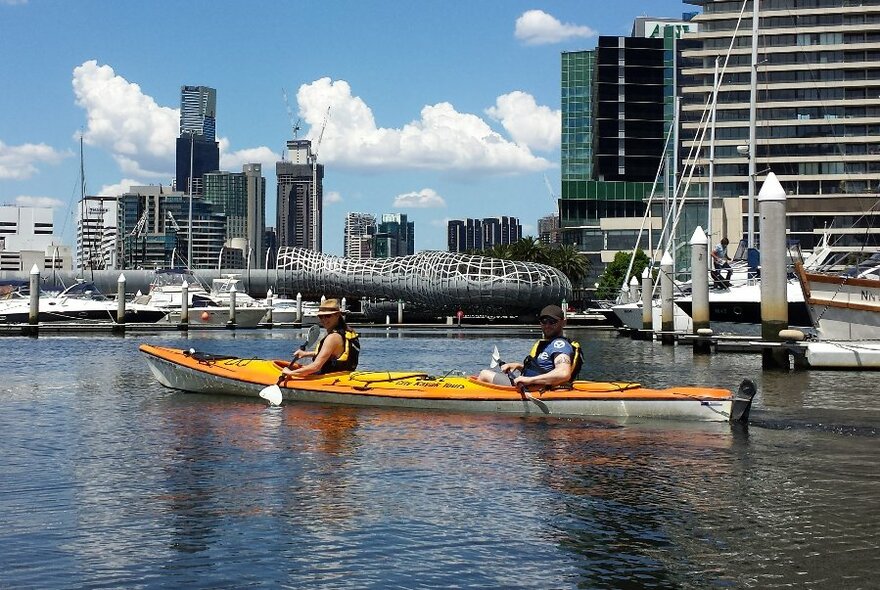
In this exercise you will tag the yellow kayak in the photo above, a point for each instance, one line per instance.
(205, 373)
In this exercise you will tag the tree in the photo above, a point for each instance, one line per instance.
(570, 262)
(612, 278)
(529, 249)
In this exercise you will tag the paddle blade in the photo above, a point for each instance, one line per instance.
(272, 393)
(496, 358)
(312, 338)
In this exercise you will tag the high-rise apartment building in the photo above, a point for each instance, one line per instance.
(27, 239)
(617, 113)
(548, 229)
(154, 230)
(360, 229)
(395, 236)
(198, 152)
(97, 246)
(463, 235)
(241, 196)
(817, 124)
(300, 197)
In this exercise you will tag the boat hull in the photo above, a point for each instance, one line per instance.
(192, 371)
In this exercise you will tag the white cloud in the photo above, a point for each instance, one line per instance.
(332, 197)
(19, 162)
(13, 2)
(138, 133)
(121, 187)
(530, 125)
(423, 199)
(28, 201)
(233, 161)
(536, 27)
(441, 139)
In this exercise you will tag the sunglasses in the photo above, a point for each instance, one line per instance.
(549, 321)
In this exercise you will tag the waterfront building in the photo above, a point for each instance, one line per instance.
(817, 116)
(548, 229)
(154, 229)
(395, 236)
(464, 235)
(96, 236)
(27, 239)
(198, 152)
(617, 111)
(468, 235)
(360, 230)
(241, 197)
(300, 197)
(499, 231)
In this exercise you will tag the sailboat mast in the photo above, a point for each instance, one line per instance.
(711, 192)
(753, 112)
(189, 239)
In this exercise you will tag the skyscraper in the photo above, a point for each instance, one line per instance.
(360, 229)
(499, 231)
(300, 197)
(197, 149)
(464, 234)
(395, 236)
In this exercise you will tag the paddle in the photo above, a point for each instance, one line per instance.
(272, 393)
(497, 362)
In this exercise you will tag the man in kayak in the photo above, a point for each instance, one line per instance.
(337, 351)
(550, 362)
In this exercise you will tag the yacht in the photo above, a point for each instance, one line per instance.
(79, 303)
(166, 292)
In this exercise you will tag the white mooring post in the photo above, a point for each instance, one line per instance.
(647, 304)
(700, 289)
(232, 296)
(34, 311)
(269, 303)
(667, 319)
(633, 289)
(184, 306)
(400, 311)
(299, 307)
(120, 303)
(774, 279)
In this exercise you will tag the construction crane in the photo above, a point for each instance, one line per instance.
(293, 124)
(315, 218)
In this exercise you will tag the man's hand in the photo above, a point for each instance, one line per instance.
(508, 367)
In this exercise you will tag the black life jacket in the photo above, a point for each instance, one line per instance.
(351, 349)
(539, 346)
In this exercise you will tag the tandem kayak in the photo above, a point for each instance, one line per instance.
(198, 372)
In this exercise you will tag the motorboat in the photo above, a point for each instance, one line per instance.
(79, 303)
(190, 370)
(284, 311)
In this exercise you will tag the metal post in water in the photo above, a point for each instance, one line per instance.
(34, 312)
(667, 320)
(774, 279)
(299, 307)
(342, 304)
(633, 289)
(400, 311)
(232, 293)
(269, 303)
(564, 307)
(700, 288)
(184, 306)
(120, 304)
(647, 302)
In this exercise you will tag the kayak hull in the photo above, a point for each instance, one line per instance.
(192, 371)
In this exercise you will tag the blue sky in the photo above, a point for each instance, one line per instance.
(438, 109)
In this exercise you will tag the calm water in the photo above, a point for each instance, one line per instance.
(111, 481)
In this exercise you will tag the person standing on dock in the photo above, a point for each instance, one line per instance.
(338, 350)
(721, 263)
(553, 360)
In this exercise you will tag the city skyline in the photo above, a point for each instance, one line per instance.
(464, 123)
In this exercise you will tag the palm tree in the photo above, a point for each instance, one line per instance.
(570, 262)
(529, 249)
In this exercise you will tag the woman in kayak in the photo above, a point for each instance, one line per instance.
(337, 351)
(553, 360)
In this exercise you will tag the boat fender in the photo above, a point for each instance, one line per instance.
(742, 401)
